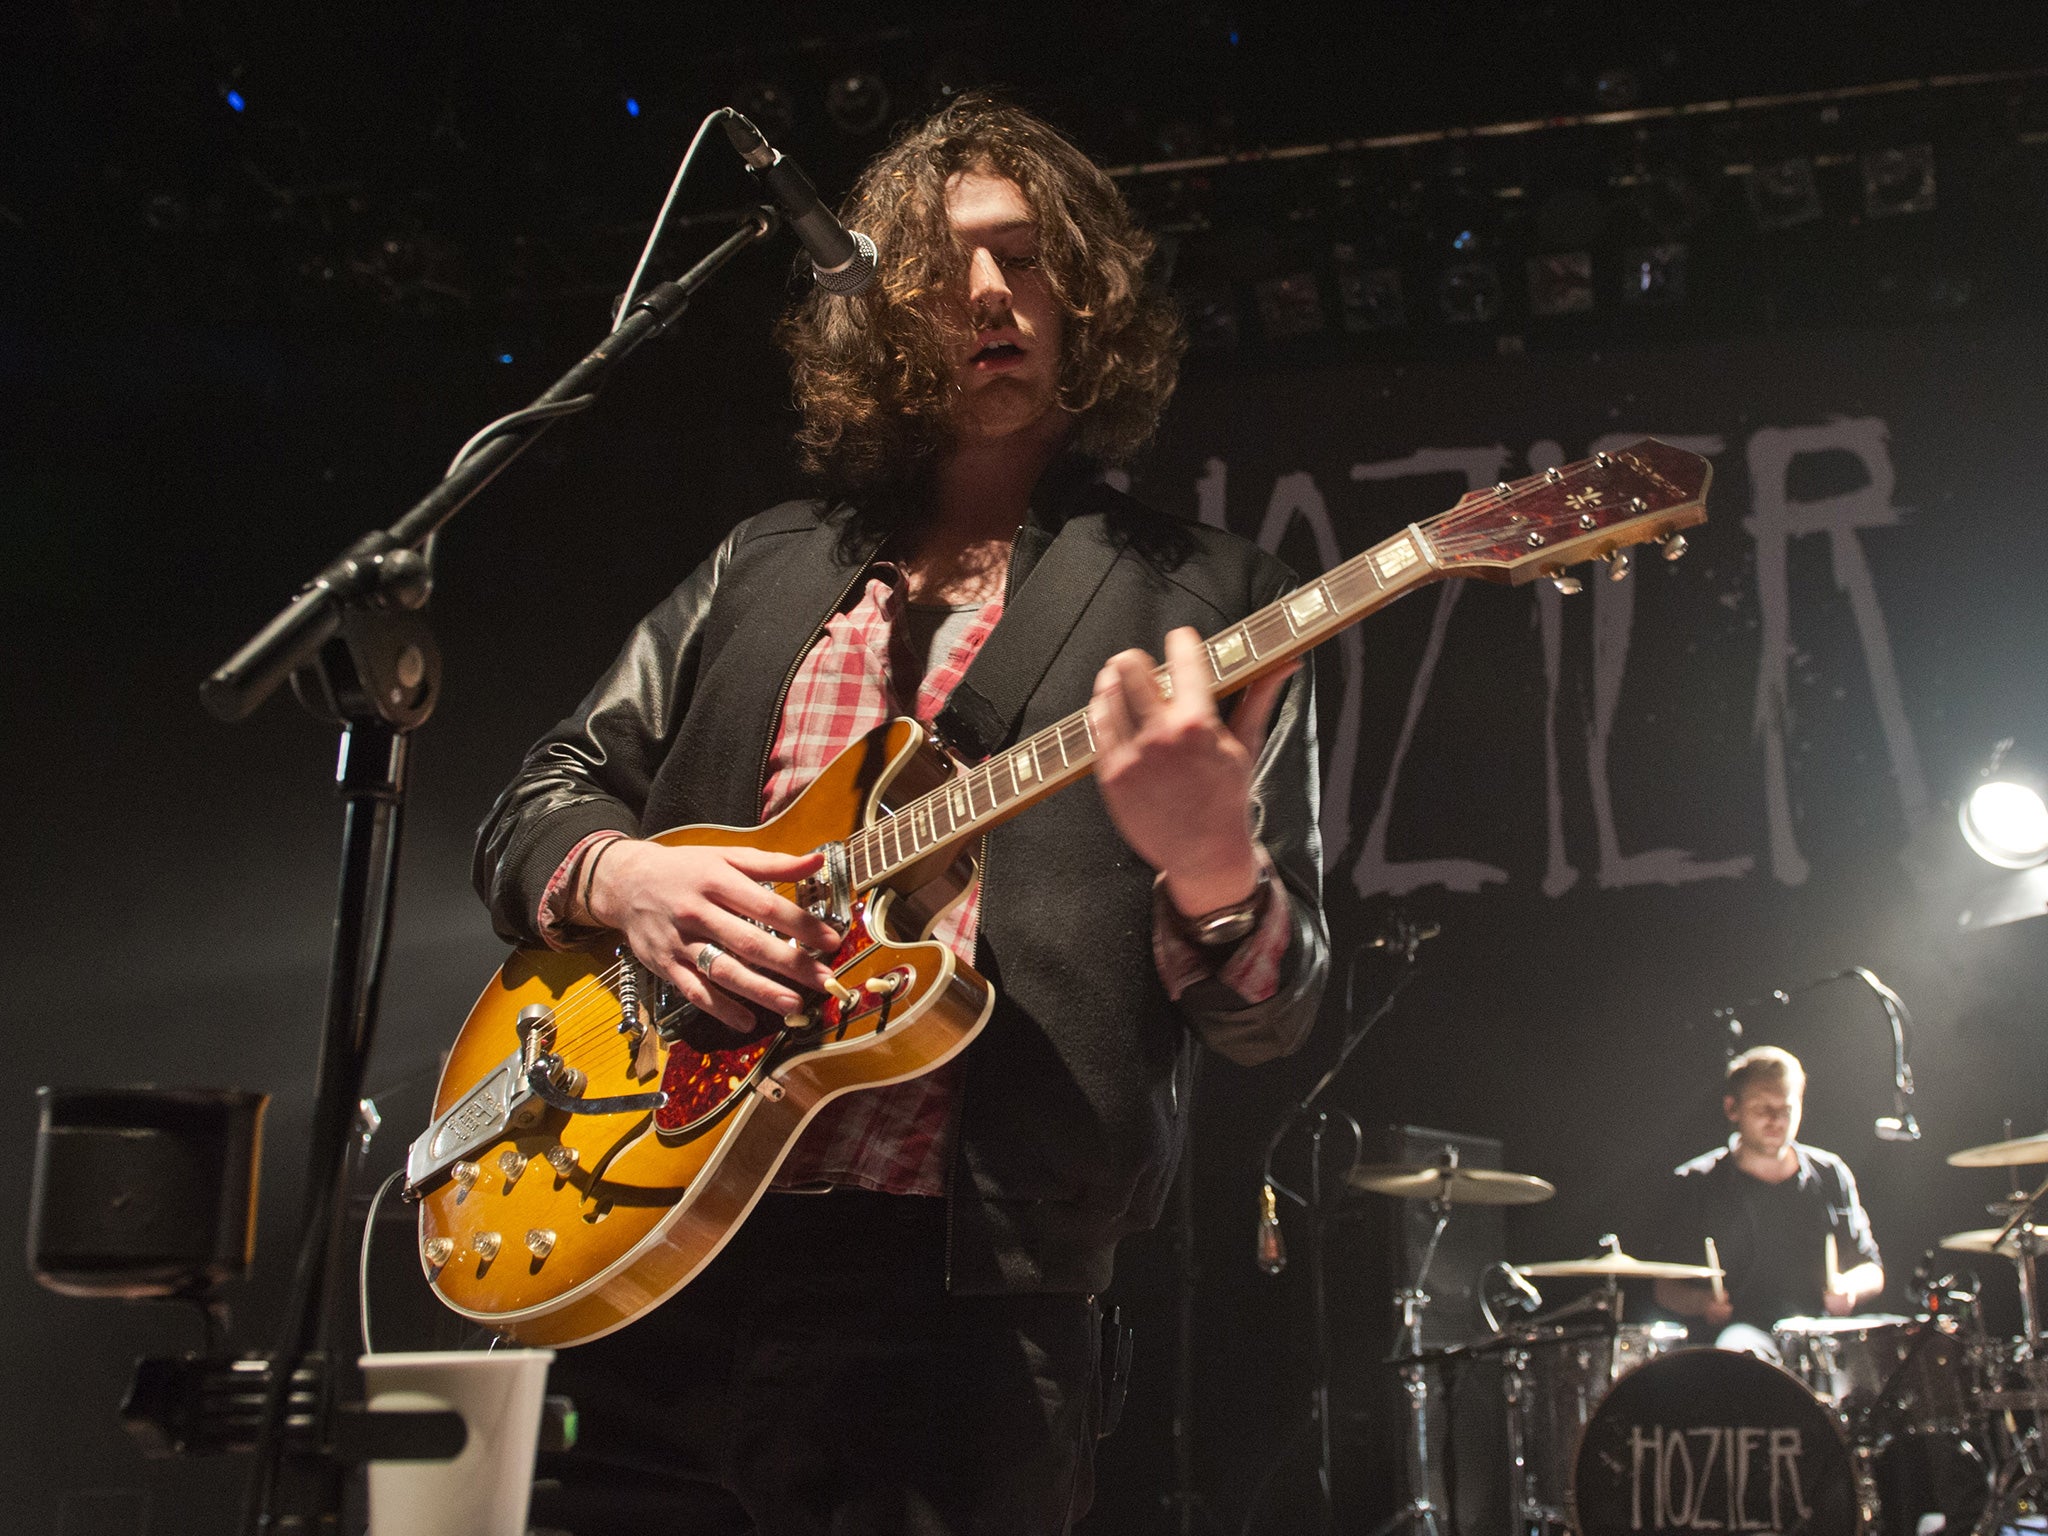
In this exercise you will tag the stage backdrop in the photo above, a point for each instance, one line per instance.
(1624, 808)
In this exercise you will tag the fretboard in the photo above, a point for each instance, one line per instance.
(1019, 776)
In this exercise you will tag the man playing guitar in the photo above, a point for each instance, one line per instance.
(903, 1335)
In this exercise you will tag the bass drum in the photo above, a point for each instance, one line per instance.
(1706, 1439)
(1929, 1481)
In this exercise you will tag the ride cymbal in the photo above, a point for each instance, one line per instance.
(2003, 1154)
(1619, 1265)
(1985, 1240)
(1456, 1186)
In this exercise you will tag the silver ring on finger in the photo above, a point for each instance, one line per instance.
(706, 957)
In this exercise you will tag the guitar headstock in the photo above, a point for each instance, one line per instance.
(1521, 529)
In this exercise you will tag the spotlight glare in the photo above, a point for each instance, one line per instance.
(2006, 823)
(235, 101)
(632, 106)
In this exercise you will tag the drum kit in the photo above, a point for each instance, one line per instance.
(1830, 1426)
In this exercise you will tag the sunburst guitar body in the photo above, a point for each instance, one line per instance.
(554, 1224)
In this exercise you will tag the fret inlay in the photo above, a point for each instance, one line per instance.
(1306, 606)
(1396, 557)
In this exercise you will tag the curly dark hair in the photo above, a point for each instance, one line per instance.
(873, 375)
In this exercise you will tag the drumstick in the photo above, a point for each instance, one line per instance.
(1833, 1273)
(1714, 1263)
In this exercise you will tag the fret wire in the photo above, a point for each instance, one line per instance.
(898, 834)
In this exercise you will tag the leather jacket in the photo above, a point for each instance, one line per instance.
(1074, 1097)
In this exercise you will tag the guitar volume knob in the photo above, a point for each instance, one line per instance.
(540, 1242)
(465, 1174)
(487, 1245)
(437, 1251)
(562, 1159)
(514, 1162)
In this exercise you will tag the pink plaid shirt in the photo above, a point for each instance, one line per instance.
(898, 1139)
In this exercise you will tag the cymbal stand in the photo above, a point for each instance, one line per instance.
(1413, 1302)
(2023, 1476)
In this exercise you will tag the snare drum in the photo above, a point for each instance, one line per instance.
(1706, 1440)
(1555, 1381)
(1883, 1373)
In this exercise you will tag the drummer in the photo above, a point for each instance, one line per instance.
(1769, 1203)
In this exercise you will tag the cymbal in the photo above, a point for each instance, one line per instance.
(1985, 1240)
(1619, 1265)
(2003, 1154)
(1457, 1186)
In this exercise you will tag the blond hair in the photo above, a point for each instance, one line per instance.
(1765, 1064)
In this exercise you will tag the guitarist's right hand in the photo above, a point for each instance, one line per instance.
(669, 902)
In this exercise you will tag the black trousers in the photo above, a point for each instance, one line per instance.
(817, 1378)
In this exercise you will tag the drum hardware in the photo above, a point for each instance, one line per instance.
(1555, 1377)
(1442, 1184)
(1403, 940)
(2017, 1382)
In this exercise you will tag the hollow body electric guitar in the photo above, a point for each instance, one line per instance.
(595, 1141)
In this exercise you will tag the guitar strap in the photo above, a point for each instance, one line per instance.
(983, 711)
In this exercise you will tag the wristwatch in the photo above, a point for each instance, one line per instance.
(1227, 925)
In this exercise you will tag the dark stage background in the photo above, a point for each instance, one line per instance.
(1624, 808)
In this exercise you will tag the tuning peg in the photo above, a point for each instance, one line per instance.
(1617, 564)
(1568, 585)
(1674, 546)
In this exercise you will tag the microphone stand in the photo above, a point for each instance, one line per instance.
(1404, 941)
(1900, 1125)
(356, 645)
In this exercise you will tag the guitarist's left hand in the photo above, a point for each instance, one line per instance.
(1176, 779)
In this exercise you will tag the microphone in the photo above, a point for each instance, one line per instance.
(1270, 1251)
(1899, 1125)
(1404, 936)
(842, 261)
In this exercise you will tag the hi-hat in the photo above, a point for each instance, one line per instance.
(1985, 1240)
(1456, 1186)
(2003, 1154)
(1620, 1266)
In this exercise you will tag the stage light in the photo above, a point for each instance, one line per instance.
(1209, 311)
(1653, 274)
(768, 107)
(1369, 297)
(1897, 181)
(953, 74)
(1468, 293)
(632, 106)
(1784, 193)
(857, 102)
(1289, 306)
(1561, 284)
(504, 357)
(234, 98)
(2004, 819)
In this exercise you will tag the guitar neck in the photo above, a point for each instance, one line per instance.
(1022, 775)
